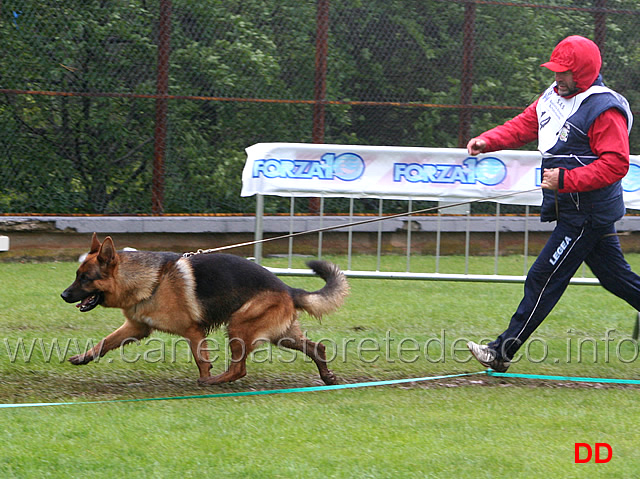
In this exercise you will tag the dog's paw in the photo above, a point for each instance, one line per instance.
(330, 379)
(80, 359)
(225, 377)
(209, 381)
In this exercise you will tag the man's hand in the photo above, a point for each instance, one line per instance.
(550, 178)
(476, 146)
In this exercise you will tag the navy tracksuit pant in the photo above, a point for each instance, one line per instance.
(549, 276)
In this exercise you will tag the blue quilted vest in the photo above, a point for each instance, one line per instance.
(571, 149)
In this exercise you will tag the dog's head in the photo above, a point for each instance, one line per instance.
(93, 276)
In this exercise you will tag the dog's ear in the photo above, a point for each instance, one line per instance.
(107, 253)
(95, 244)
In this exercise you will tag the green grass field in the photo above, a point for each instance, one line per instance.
(460, 427)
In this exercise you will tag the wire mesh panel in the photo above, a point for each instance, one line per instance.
(146, 106)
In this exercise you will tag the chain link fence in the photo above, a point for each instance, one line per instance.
(145, 106)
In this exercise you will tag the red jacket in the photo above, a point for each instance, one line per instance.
(608, 138)
(608, 134)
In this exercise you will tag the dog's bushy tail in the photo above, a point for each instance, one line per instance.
(325, 300)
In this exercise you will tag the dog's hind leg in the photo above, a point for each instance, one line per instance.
(260, 319)
(295, 339)
(198, 344)
(238, 366)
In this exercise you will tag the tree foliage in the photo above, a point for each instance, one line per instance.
(92, 149)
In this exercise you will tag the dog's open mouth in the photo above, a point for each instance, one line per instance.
(90, 302)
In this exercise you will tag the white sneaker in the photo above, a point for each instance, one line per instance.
(487, 357)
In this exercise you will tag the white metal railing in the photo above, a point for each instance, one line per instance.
(463, 216)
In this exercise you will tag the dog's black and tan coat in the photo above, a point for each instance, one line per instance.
(190, 296)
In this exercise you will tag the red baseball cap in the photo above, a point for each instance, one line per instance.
(556, 66)
(579, 55)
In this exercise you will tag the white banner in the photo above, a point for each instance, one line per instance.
(437, 174)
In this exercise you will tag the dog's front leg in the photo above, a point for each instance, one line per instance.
(130, 331)
(198, 343)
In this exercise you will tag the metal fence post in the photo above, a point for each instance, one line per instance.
(320, 86)
(162, 89)
(466, 82)
(258, 234)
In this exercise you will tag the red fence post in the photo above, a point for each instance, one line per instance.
(600, 24)
(320, 87)
(162, 89)
(466, 82)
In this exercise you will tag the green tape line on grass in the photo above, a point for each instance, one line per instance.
(248, 393)
(488, 372)
(563, 378)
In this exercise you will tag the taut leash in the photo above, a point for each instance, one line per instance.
(356, 223)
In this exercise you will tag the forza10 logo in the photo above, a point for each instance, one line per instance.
(345, 167)
(488, 171)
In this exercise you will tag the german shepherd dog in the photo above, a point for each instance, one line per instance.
(190, 296)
